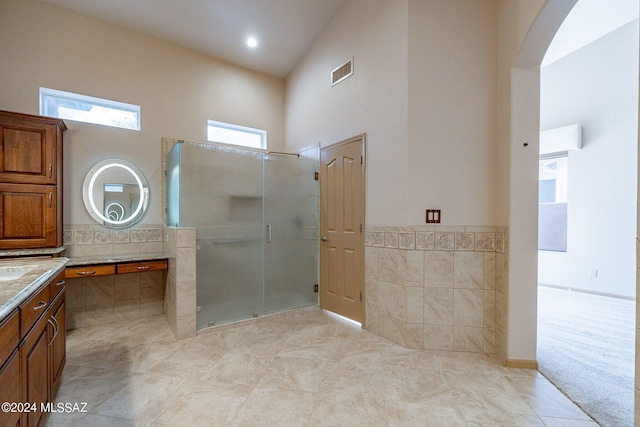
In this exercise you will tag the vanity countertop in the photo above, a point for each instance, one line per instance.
(13, 292)
(90, 260)
(31, 252)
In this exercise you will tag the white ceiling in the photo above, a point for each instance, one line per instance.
(588, 21)
(285, 29)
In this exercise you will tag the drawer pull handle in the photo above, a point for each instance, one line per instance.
(55, 330)
(85, 273)
(40, 306)
(143, 267)
(61, 282)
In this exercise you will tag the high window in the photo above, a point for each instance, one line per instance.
(88, 109)
(234, 134)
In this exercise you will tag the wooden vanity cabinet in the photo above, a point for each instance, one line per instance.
(57, 331)
(117, 268)
(140, 267)
(10, 390)
(10, 367)
(34, 370)
(30, 181)
(33, 353)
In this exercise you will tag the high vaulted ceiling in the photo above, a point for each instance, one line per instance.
(284, 29)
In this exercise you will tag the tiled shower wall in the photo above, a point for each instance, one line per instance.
(437, 287)
(180, 288)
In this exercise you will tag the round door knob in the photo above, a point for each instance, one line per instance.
(324, 238)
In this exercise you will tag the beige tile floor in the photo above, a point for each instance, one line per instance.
(302, 368)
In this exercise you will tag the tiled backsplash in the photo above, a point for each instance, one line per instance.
(91, 240)
(104, 299)
(97, 300)
(434, 287)
(435, 238)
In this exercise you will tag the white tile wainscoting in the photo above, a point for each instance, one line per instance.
(437, 287)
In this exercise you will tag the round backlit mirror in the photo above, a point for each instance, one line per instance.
(115, 193)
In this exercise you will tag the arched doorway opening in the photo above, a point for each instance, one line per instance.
(524, 129)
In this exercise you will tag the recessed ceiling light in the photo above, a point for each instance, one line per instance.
(251, 42)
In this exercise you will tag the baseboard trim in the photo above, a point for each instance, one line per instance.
(586, 291)
(521, 364)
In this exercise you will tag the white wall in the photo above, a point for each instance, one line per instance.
(525, 29)
(177, 89)
(597, 86)
(452, 110)
(424, 91)
(373, 100)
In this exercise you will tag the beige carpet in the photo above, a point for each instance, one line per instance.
(586, 346)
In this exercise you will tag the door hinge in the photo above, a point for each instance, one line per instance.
(361, 159)
(360, 295)
(315, 288)
(315, 176)
(361, 228)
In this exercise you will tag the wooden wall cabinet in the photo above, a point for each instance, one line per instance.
(30, 181)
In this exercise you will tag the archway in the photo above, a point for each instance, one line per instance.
(524, 129)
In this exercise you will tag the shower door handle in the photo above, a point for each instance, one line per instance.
(268, 233)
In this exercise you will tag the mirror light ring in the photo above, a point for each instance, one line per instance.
(97, 212)
(115, 210)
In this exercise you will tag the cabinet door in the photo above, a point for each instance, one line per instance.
(34, 365)
(9, 336)
(10, 390)
(28, 216)
(57, 342)
(28, 149)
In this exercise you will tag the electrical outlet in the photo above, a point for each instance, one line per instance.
(433, 216)
(593, 273)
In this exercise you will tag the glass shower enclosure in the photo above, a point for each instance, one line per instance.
(256, 218)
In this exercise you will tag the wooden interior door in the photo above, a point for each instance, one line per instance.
(341, 228)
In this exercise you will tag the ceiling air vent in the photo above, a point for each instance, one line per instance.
(342, 72)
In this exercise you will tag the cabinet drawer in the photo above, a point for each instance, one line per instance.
(31, 310)
(9, 336)
(57, 285)
(90, 271)
(140, 267)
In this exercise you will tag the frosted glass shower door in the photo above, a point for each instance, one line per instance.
(221, 195)
(291, 220)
